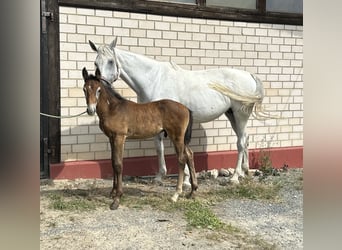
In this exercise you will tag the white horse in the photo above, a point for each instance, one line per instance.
(208, 93)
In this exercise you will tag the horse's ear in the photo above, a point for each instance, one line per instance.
(98, 73)
(93, 46)
(84, 73)
(113, 43)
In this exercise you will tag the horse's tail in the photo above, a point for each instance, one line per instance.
(248, 101)
(188, 132)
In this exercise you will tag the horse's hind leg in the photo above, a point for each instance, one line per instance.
(158, 141)
(238, 120)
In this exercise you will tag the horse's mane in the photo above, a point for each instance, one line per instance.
(107, 87)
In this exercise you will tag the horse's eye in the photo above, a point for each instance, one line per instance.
(111, 62)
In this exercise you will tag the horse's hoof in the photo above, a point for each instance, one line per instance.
(114, 205)
(234, 181)
(158, 180)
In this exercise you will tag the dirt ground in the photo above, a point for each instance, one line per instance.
(141, 223)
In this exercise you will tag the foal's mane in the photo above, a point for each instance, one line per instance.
(107, 88)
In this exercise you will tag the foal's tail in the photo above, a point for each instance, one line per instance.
(187, 136)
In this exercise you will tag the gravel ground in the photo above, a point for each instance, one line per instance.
(278, 223)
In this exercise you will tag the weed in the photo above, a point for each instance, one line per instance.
(64, 203)
(247, 189)
(265, 162)
(200, 216)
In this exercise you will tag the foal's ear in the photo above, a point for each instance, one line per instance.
(93, 46)
(113, 43)
(98, 73)
(84, 73)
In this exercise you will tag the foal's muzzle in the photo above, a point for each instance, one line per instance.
(91, 109)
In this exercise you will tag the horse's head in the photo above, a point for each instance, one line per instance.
(92, 89)
(106, 61)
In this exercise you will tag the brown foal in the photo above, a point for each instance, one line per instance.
(121, 119)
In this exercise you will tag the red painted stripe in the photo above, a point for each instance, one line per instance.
(143, 166)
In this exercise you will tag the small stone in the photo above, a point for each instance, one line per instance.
(252, 171)
(258, 173)
(214, 173)
(224, 181)
(224, 172)
(231, 171)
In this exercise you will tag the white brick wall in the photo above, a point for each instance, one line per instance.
(273, 52)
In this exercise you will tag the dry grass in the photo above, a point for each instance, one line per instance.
(197, 213)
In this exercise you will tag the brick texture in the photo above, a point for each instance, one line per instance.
(273, 52)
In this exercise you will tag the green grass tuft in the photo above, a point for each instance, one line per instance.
(61, 202)
(200, 216)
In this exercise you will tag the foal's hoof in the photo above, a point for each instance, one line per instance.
(174, 198)
(191, 195)
(114, 205)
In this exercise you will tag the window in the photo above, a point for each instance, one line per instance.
(178, 1)
(290, 6)
(260, 11)
(245, 4)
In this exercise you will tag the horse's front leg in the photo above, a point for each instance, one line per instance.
(158, 141)
(117, 146)
(186, 182)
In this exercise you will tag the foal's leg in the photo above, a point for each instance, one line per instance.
(238, 120)
(190, 161)
(179, 147)
(117, 145)
(115, 176)
(179, 188)
(158, 141)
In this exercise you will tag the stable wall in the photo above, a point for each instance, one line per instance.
(273, 52)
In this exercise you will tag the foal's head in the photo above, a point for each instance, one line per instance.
(92, 89)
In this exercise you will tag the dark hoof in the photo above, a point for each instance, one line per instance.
(191, 195)
(114, 205)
